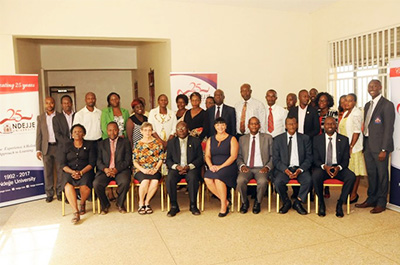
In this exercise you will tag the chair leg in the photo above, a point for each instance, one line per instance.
(202, 196)
(198, 198)
(238, 201)
(168, 203)
(348, 204)
(277, 202)
(93, 201)
(98, 206)
(269, 196)
(62, 203)
(127, 200)
(162, 196)
(308, 203)
(133, 197)
(316, 203)
(233, 199)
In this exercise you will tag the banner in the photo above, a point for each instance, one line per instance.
(394, 197)
(187, 83)
(21, 173)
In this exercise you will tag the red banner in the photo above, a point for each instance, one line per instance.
(9, 84)
(395, 72)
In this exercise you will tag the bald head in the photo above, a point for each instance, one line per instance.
(219, 97)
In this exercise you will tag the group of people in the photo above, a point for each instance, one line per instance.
(309, 142)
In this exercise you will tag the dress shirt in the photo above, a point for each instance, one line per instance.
(113, 146)
(257, 155)
(220, 110)
(254, 108)
(69, 118)
(49, 122)
(279, 114)
(334, 158)
(301, 116)
(183, 146)
(163, 123)
(294, 157)
(375, 100)
(91, 120)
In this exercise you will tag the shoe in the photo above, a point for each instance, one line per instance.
(339, 209)
(76, 218)
(194, 210)
(148, 209)
(82, 210)
(364, 205)
(49, 199)
(59, 197)
(66, 200)
(256, 207)
(173, 211)
(121, 209)
(299, 207)
(244, 207)
(286, 207)
(225, 213)
(321, 210)
(327, 194)
(142, 210)
(105, 210)
(355, 200)
(378, 209)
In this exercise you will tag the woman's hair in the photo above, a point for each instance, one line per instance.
(340, 109)
(146, 124)
(354, 96)
(219, 120)
(183, 97)
(109, 97)
(136, 102)
(197, 94)
(78, 125)
(328, 96)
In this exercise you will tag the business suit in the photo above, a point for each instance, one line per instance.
(49, 152)
(265, 144)
(62, 130)
(342, 155)
(228, 114)
(281, 162)
(194, 154)
(380, 137)
(123, 161)
(311, 120)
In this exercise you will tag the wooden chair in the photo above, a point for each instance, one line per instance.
(253, 182)
(333, 183)
(113, 184)
(76, 188)
(208, 196)
(291, 183)
(136, 184)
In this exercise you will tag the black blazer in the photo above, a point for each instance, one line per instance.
(194, 152)
(342, 150)
(123, 155)
(61, 129)
(311, 121)
(229, 115)
(280, 155)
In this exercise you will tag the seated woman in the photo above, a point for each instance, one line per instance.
(221, 152)
(147, 160)
(77, 161)
(196, 118)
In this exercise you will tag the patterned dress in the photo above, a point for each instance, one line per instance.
(136, 134)
(147, 155)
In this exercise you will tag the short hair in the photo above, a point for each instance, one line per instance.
(183, 97)
(211, 97)
(162, 95)
(109, 97)
(290, 118)
(78, 125)
(273, 90)
(197, 94)
(219, 120)
(340, 109)
(145, 125)
(66, 96)
(377, 81)
(292, 95)
(254, 117)
(136, 102)
(113, 122)
(303, 90)
(353, 95)
(328, 96)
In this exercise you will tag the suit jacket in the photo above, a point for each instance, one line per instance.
(281, 156)
(381, 126)
(311, 121)
(229, 115)
(266, 150)
(42, 133)
(61, 129)
(194, 152)
(123, 154)
(342, 150)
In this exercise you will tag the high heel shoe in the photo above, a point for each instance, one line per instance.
(224, 214)
(355, 200)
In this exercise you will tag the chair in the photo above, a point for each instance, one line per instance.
(253, 182)
(232, 199)
(183, 182)
(291, 183)
(136, 184)
(76, 188)
(113, 184)
(333, 183)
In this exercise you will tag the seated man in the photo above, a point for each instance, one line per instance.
(292, 158)
(113, 163)
(331, 159)
(254, 161)
(184, 160)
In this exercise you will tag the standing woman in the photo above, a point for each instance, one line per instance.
(114, 113)
(147, 160)
(342, 106)
(350, 126)
(325, 103)
(77, 160)
(196, 118)
(135, 122)
(221, 153)
(181, 103)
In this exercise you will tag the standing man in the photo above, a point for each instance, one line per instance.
(313, 98)
(254, 161)
(62, 123)
(113, 163)
(221, 110)
(292, 158)
(247, 108)
(331, 160)
(210, 102)
(46, 149)
(291, 100)
(379, 117)
(184, 160)
(276, 115)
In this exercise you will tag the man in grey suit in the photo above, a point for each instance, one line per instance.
(62, 123)
(46, 149)
(254, 161)
(379, 116)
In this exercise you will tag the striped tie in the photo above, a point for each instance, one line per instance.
(270, 121)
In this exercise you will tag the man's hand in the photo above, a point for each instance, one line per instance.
(39, 155)
(289, 173)
(297, 173)
(264, 170)
(244, 169)
(382, 156)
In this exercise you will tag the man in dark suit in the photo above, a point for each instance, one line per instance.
(113, 163)
(254, 161)
(184, 160)
(46, 149)
(331, 160)
(292, 158)
(379, 117)
(221, 110)
(62, 123)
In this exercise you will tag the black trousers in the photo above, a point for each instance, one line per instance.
(192, 179)
(101, 181)
(281, 179)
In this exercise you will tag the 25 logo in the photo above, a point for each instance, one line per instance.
(15, 115)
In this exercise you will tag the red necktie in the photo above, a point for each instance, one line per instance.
(270, 121)
(243, 118)
(252, 152)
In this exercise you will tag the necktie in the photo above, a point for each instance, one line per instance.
(329, 153)
(289, 147)
(368, 118)
(243, 118)
(218, 113)
(270, 121)
(112, 156)
(252, 152)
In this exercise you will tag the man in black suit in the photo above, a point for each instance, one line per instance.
(221, 110)
(62, 123)
(292, 158)
(184, 160)
(331, 160)
(113, 163)
(379, 117)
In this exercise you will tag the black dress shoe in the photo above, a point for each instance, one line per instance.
(299, 207)
(321, 210)
(49, 199)
(244, 207)
(355, 200)
(59, 197)
(256, 207)
(224, 214)
(173, 211)
(194, 210)
(286, 207)
(339, 209)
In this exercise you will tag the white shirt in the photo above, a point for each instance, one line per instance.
(220, 110)
(91, 120)
(163, 124)
(301, 117)
(183, 146)
(334, 158)
(294, 157)
(257, 154)
(254, 108)
(49, 122)
(279, 115)
(68, 117)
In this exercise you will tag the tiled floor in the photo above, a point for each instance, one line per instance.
(36, 233)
